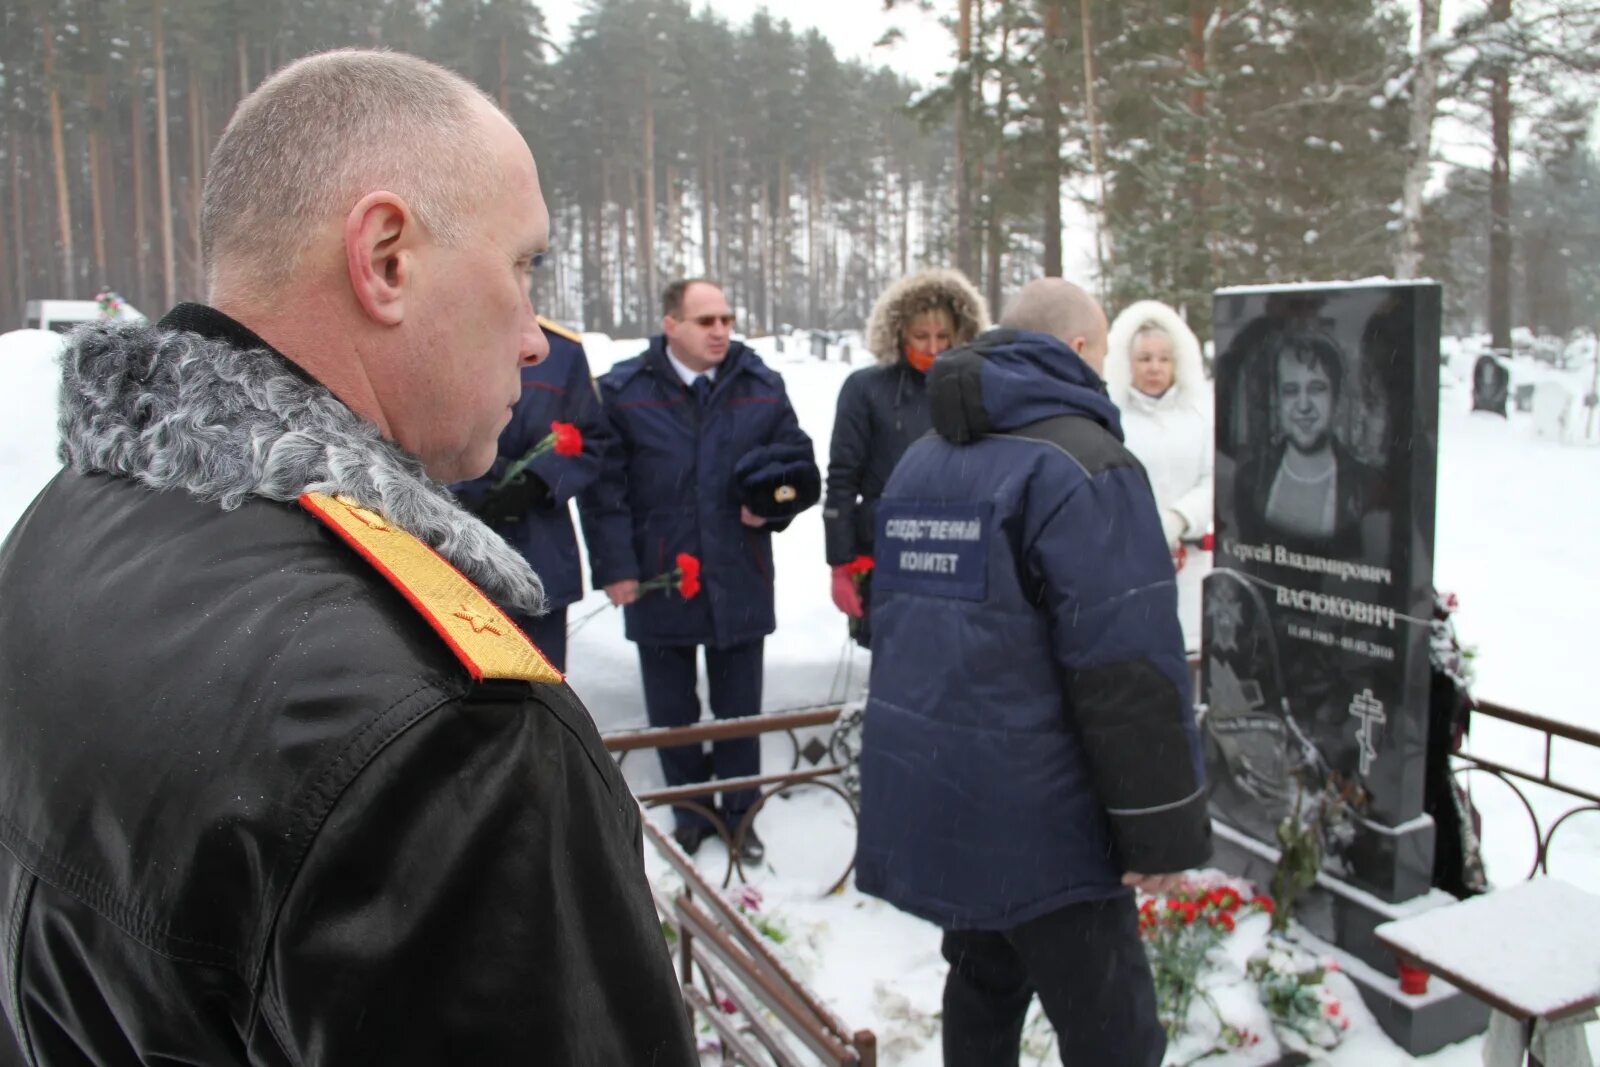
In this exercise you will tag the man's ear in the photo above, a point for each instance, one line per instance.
(380, 238)
(665, 329)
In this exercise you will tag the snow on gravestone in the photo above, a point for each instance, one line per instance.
(1315, 648)
(30, 381)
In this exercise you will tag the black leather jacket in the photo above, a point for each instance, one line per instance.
(254, 811)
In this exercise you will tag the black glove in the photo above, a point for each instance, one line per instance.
(525, 492)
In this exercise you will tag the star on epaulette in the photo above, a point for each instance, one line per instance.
(483, 638)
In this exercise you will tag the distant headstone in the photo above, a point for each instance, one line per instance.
(1490, 383)
(1522, 397)
(778, 342)
(819, 346)
(844, 352)
(1552, 408)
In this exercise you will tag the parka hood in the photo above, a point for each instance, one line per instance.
(916, 293)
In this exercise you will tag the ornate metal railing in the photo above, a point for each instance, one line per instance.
(697, 798)
(1470, 763)
(741, 990)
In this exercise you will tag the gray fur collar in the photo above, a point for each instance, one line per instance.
(175, 410)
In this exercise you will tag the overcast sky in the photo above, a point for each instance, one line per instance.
(852, 25)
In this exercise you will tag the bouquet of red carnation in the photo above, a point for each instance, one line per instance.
(564, 439)
(685, 577)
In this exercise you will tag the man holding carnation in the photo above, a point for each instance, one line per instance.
(709, 461)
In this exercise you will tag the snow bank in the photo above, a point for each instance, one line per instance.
(30, 379)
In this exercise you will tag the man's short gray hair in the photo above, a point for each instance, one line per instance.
(325, 131)
(1055, 307)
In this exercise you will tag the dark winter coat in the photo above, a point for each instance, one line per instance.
(558, 388)
(668, 486)
(253, 810)
(883, 408)
(1029, 735)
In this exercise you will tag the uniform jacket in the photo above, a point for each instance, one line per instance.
(883, 408)
(1171, 434)
(252, 808)
(1029, 735)
(668, 487)
(558, 388)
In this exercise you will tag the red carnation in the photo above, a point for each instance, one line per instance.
(688, 576)
(1224, 921)
(859, 565)
(1264, 903)
(568, 440)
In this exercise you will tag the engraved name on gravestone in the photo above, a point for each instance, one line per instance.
(1315, 648)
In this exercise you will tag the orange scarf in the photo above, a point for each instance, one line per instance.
(919, 360)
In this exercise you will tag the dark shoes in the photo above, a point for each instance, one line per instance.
(690, 837)
(752, 851)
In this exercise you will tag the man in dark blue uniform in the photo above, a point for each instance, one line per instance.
(529, 508)
(1030, 750)
(709, 460)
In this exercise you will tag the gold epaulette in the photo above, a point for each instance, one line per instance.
(486, 642)
(559, 330)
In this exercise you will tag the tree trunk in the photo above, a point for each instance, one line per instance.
(164, 167)
(707, 207)
(9, 316)
(141, 237)
(997, 221)
(58, 153)
(18, 234)
(196, 177)
(905, 223)
(623, 283)
(962, 83)
(505, 74)
(769, 316)
(1424, 100)
(647, 205)
(97, 164)
(813, 266)
(1104, 254)
(1500, 198)
(241, 56)
(674, 223)
(1051, 122)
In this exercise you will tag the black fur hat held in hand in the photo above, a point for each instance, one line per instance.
(778, 481)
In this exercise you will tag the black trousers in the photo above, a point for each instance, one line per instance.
(1087, 966)
(549, 632)
(734, 679)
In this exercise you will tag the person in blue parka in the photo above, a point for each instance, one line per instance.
(709, 460)
(530, 508)
(1029, 751)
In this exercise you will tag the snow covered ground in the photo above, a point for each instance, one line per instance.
(1518, 515)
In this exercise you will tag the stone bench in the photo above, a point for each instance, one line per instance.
(1530, 951)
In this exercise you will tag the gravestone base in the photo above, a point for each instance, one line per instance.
(1338, 920)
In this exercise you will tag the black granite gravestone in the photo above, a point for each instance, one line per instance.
(1490, 384)
(1315, 657)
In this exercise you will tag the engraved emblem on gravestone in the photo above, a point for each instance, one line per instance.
(1227, 615)
(1369, 710)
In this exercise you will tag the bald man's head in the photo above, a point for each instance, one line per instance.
(1064, 311)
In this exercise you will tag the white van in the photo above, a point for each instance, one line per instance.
(60, 316)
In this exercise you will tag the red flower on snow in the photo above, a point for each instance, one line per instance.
(568, 439)
(688, 576)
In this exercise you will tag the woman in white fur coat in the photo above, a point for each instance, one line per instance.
(1154, 375)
